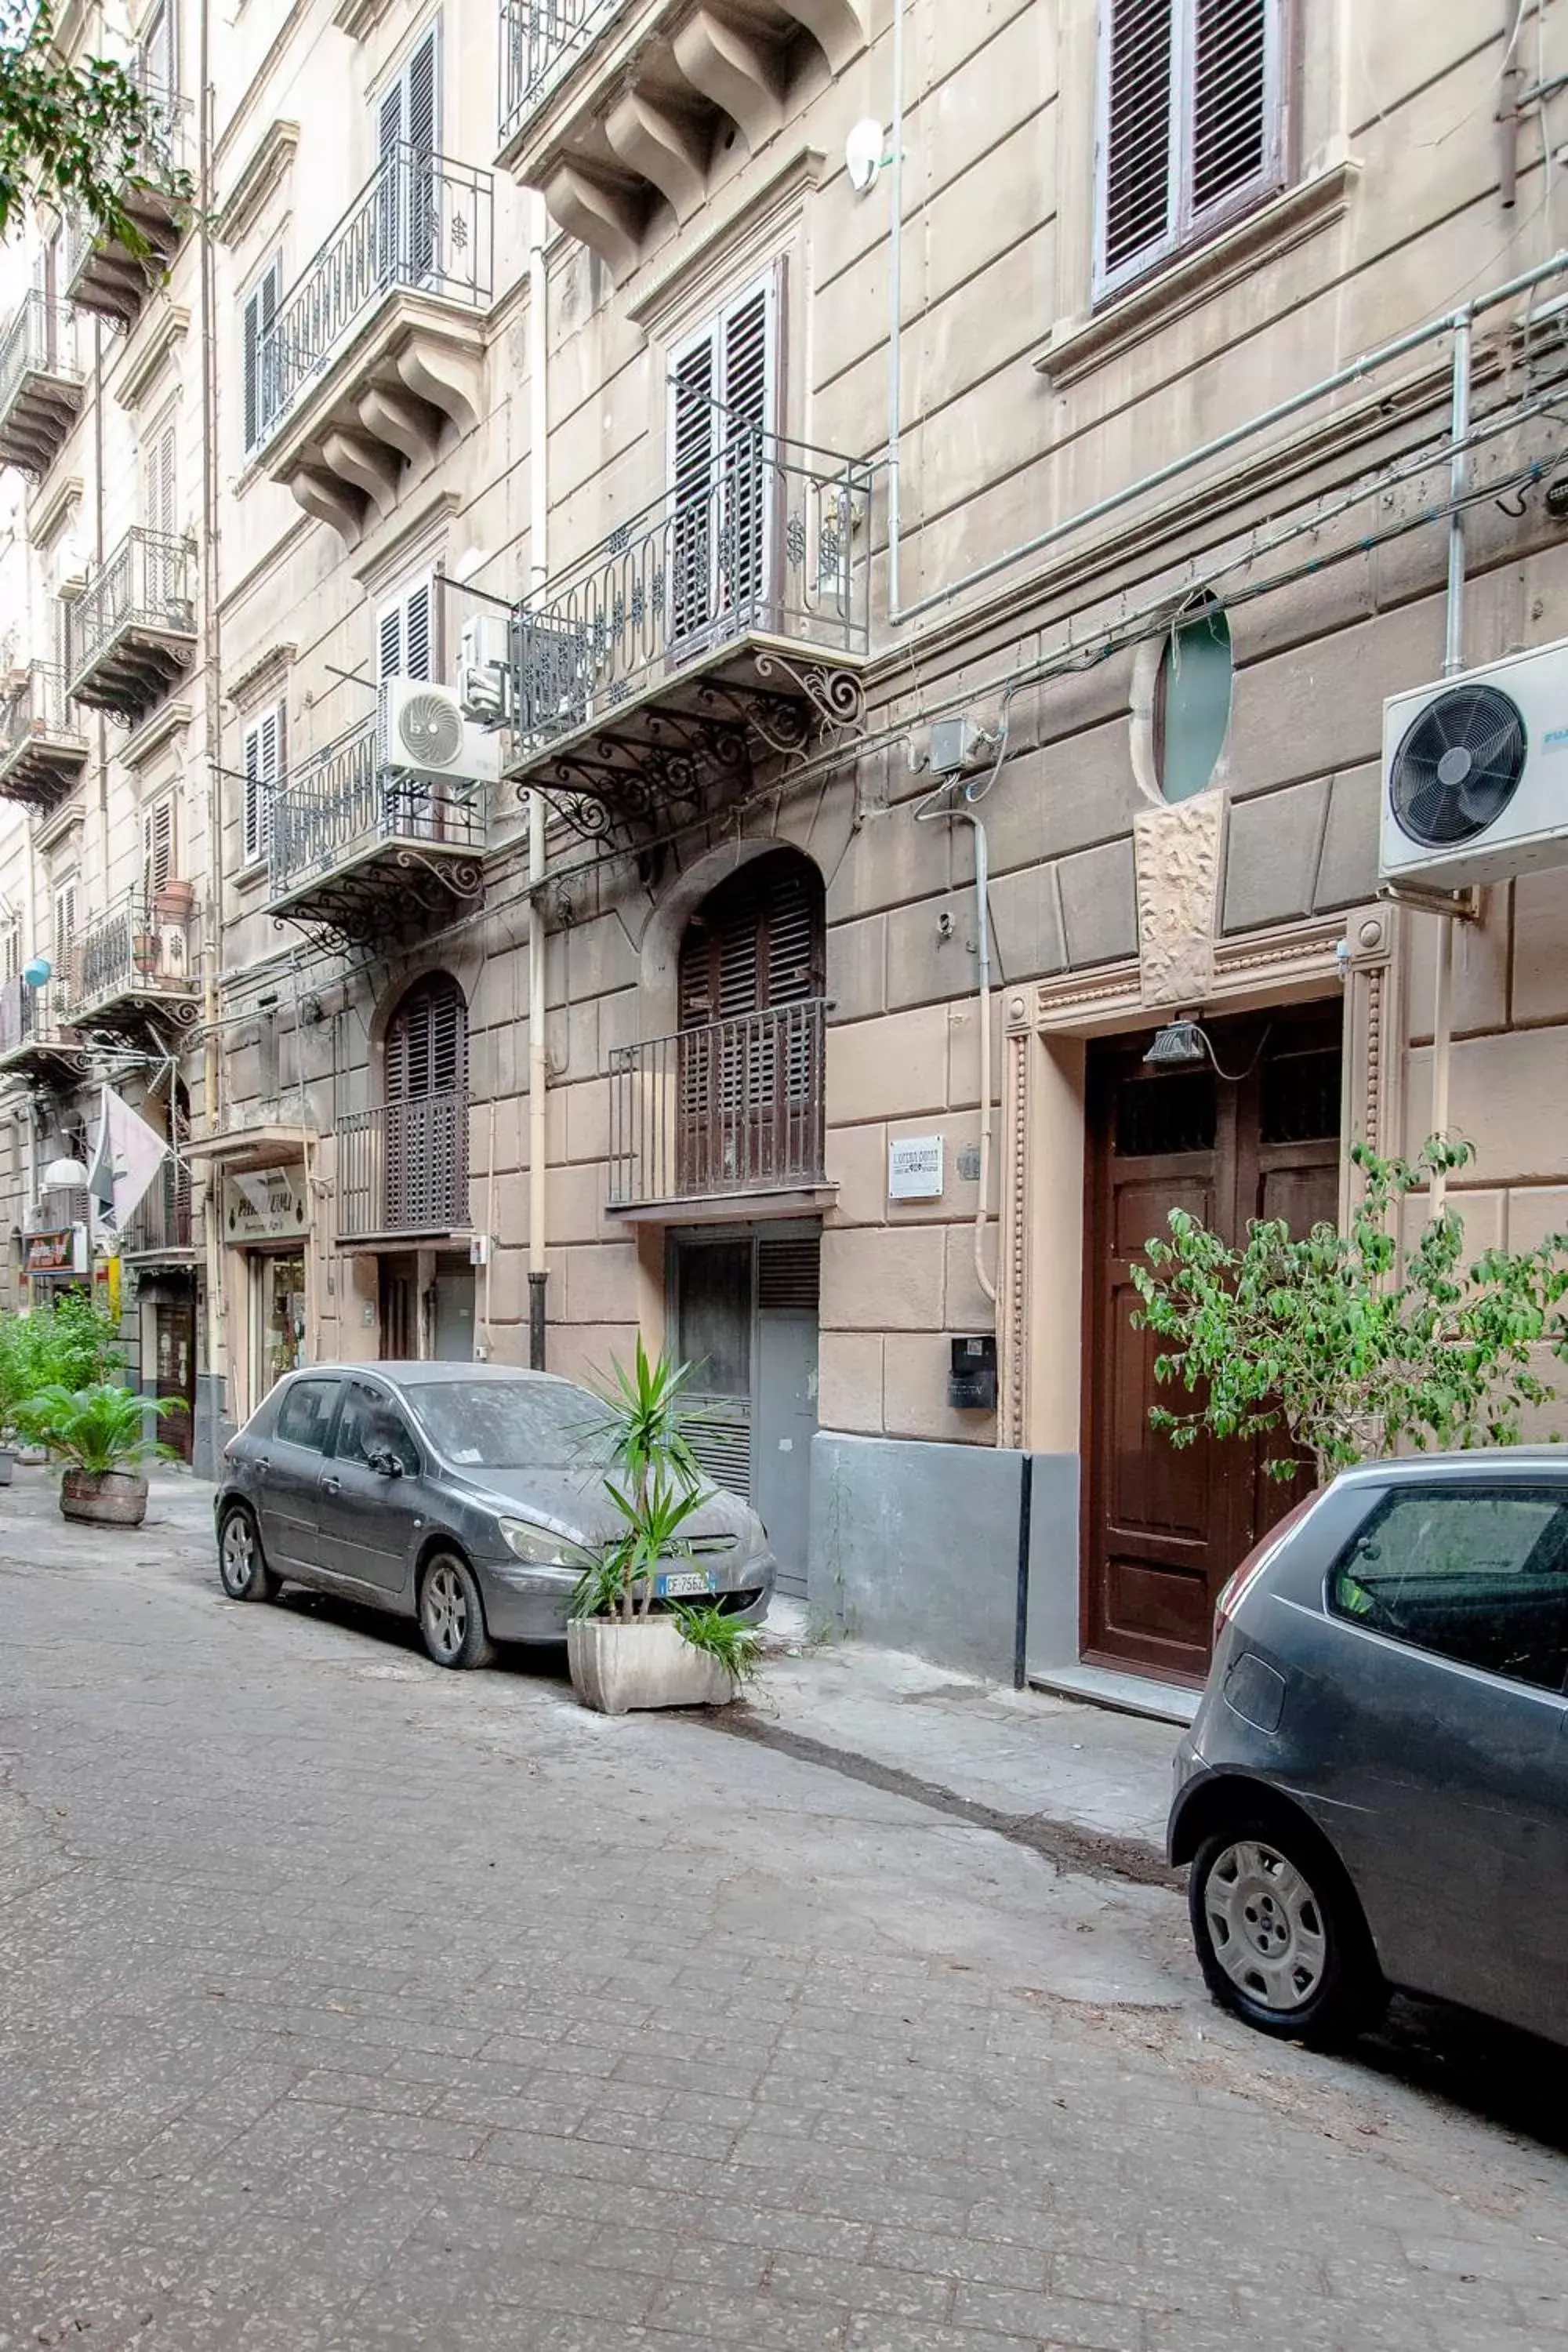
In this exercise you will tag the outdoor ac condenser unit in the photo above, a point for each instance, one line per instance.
(424, 733)
(1475, 773)
(484, 669)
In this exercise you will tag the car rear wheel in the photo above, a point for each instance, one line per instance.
(1279, 1934)
(452, 1614)
(241, 1563)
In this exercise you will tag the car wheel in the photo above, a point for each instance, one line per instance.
(452, 1615)
(1279, 1934)
(241, 1563)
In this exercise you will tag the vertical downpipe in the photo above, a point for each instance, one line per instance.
(212, 944)
(1453, 662)
(895, 322)
(539, 562)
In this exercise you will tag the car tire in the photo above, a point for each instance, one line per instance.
(452, 1613)
(1279, 1934)
(241, 1563)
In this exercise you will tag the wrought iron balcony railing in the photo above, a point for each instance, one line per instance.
(129, 954)
(165, 1222)
(405, 1169)
(106, 275)
(41, 381)
(42, 748)
(541, 40)
(760, 542)
(28, 1020)
(344, 805)
(734, 1106)
(128, 634)
(420, 222)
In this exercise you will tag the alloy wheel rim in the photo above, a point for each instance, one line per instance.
(445, 1610)
(238, 1554)
(1266, 1926)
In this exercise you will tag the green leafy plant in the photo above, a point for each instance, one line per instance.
(710, 1629)
(69, 1345)
(97, 1429)
(79, 135)
(1328, 1342)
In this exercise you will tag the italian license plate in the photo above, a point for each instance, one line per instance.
(683, 1583)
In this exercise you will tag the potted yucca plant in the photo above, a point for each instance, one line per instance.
(631, 1641)
(99, 1434)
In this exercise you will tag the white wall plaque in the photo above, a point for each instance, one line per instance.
(914, 1168)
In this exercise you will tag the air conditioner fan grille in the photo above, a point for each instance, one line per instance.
(1458, 766)
(429, 731)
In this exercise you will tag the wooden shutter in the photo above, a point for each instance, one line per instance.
(724, 400)
(64, 924)
(158, 481)
(756, 943)
(426, 1084)
(157, 847)
(1191, 126)
(263, 769)
(406, 634)
(156, 53)
(421, 109)
(427, 1042)
(259, 370)
(693, 441)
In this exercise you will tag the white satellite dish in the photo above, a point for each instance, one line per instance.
(863, 155)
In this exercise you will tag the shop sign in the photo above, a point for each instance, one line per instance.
(64, 1251)
(265, 1204)
(914, 1168)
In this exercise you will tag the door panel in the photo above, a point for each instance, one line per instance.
(174, 1329)
(1253, 1132)
(288, 1485)
(368, 1520)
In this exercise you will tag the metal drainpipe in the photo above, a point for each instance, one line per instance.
(895, 318)
(1453, 662)
(212, 945)
(983, 926)
(539, 536)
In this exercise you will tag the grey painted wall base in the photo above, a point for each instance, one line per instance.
(915, 1546)
(214, 1428)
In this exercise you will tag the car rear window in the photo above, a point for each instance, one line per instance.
(1475, 1574)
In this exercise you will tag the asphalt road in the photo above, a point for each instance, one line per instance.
(348, 2004)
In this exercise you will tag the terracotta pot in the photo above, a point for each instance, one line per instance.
(173, 902)
(144, 953)
(110, 1498)
(648, 1663)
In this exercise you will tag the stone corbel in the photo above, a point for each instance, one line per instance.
(330, 500)
(838, 27)
(400, 421)
(368, 466)
(662, 143)
(606, 219)
(742, 75)
(444, 377)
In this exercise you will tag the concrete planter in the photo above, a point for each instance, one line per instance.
(617, 1667)
(115, 1499)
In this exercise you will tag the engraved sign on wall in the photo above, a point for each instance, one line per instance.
(914, 1168)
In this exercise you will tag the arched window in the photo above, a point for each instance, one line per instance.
(753, 970)
(1192, 700)
(426, 1089)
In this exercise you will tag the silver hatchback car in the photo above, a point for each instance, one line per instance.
(1374, 1792)
(468, 1496)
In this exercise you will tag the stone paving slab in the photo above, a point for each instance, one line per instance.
(345, 2003)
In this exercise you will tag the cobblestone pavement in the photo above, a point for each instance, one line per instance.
(348, 2004)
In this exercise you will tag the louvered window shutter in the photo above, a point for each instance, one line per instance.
(1191, 123)
(418, 632)
(389, 643)
(157, 847)
(65, 920)
(158, 482)
(426, 1082)
(263, 767)
(421, 117)
(693, 444)
(260, 374)
(749, 372)
(156, 53)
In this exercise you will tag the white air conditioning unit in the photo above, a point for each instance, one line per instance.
(484, 669)
(425, 733)
(1475, 773)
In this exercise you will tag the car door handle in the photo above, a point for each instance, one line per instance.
(261, 1466)
(331, 1485)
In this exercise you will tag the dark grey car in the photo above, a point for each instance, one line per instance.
(1374, 1792)
(468, 1496)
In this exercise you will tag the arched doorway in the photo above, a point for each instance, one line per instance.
(743, 1293)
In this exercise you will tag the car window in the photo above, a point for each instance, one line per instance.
(1477, 1575)
(514, 1424)
(305, 1414)
(371, 1423)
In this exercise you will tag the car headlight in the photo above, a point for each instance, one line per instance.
(541, 1547)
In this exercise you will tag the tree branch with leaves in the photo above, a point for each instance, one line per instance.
(1326, 1343)
(82, 136)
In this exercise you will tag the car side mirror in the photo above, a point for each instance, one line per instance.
(385, 1463)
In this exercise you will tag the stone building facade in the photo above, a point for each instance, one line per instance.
(934, 501)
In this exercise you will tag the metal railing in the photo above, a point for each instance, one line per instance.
(149, 583)
(27, 1016)
(764, 541)
(163, 1221)
(39, 706)
(733, 1107)
(157, 162)
(129, 950)
(40, 340)
(420, 221)
(405, 1169)
(343, 803)
(541, 40)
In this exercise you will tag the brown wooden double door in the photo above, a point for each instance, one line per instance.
(1163, 1528)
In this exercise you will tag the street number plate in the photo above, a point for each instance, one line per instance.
(679, 1585)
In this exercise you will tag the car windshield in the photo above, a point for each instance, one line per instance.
(511, 1425)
